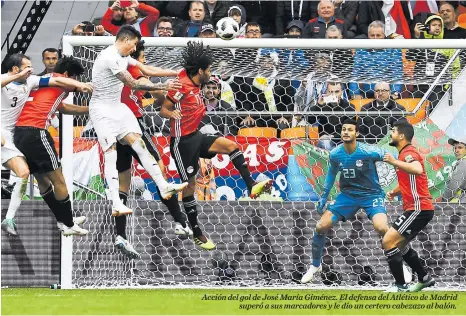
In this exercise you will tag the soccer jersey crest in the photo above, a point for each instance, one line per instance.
(359, 163)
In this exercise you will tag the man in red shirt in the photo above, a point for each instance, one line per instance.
(186, 109)
(125, 153)
(34, 141)
(417, 205)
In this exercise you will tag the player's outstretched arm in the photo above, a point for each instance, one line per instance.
(73, 109)
(413, 167)
(21, 75)
(140, 84)
(70, 84)
(152, 71)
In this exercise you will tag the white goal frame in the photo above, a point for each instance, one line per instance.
(69, 42)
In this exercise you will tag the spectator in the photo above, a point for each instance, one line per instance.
(368, 12)
(347, 12)
(216, 10)
(448, 12)
(131, 16)
(333, 32)
(192, 27)
(330, 125)
(317, 27)
(374, 127)
(342, 59)
(238, 13)
(207, 31)
(288, 11)
(164, 27)
(455, 190)
(432, 28)
(216, 124)
(50, 58)
(86, 28)
(293, 61)
(383, 64)
(114, 15)
(253, 30)
(261, 12)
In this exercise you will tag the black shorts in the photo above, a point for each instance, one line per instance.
(186, 151)
(410, 223)
(38, 148)
(125, 153)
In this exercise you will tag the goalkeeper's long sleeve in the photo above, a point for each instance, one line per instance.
(329, 179)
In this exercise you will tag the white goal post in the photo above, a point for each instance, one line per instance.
(276, 223)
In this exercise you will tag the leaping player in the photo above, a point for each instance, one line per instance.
(186, 109)
(16, 87)
(133, 99)
(114, 122)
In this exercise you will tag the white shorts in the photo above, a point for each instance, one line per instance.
(112, 122)
(9, 150)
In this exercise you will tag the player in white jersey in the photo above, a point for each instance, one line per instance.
(16, 86)
(113, 121)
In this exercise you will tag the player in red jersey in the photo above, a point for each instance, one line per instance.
(417, 205)
(186, 109)
(133, 99)
(34, 141)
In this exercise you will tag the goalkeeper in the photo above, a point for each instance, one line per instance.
(359, 186)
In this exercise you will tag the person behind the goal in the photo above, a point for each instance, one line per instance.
(359, 189)
(114, 122)
(417, 205)
(186, 109)
(32, 138)
(16, 87)
(133, 99)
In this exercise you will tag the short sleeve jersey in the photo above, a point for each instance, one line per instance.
(189, 101)
(41, 106)
(14, 96)
(107, 87)
(358, 172)
(133, 98)
(414, 188)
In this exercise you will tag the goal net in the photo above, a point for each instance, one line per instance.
(283, 102)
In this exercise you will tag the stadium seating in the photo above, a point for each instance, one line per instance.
(269, 132)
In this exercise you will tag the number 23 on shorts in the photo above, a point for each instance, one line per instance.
(379, 202)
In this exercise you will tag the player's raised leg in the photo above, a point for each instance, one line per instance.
(19, 167)
(223, 145)
(325, 223)
(151, 166)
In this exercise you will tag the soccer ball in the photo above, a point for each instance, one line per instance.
(227, 28)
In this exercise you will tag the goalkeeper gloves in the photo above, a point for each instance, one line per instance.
(321, 205)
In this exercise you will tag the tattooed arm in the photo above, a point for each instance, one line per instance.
(139, 84)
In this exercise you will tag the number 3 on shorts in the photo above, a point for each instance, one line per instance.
(378, 202)
(400, 220)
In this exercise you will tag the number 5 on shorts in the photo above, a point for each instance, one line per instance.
(400, 220)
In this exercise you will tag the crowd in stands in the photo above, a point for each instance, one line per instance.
(327, 87)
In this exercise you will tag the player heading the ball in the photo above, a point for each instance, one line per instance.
(113, 120)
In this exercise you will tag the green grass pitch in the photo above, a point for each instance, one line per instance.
(229, 302)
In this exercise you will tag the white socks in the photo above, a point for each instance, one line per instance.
(149, 163)
(111, 175)
(16, 196)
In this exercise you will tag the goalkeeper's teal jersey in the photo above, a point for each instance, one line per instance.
(358, 173)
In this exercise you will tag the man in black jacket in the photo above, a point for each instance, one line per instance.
(215, 10)
(192, 27)
(374, 127)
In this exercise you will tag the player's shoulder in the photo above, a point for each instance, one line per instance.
(367, 148)
(135, 71)
(409, 153)
(337, 151)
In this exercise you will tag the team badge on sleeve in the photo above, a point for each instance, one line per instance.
(178, 95)
(409, 158)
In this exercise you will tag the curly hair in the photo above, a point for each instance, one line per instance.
(139, 49)
(195, 57)
(69, 64)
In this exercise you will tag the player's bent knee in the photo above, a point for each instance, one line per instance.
(23, 172)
